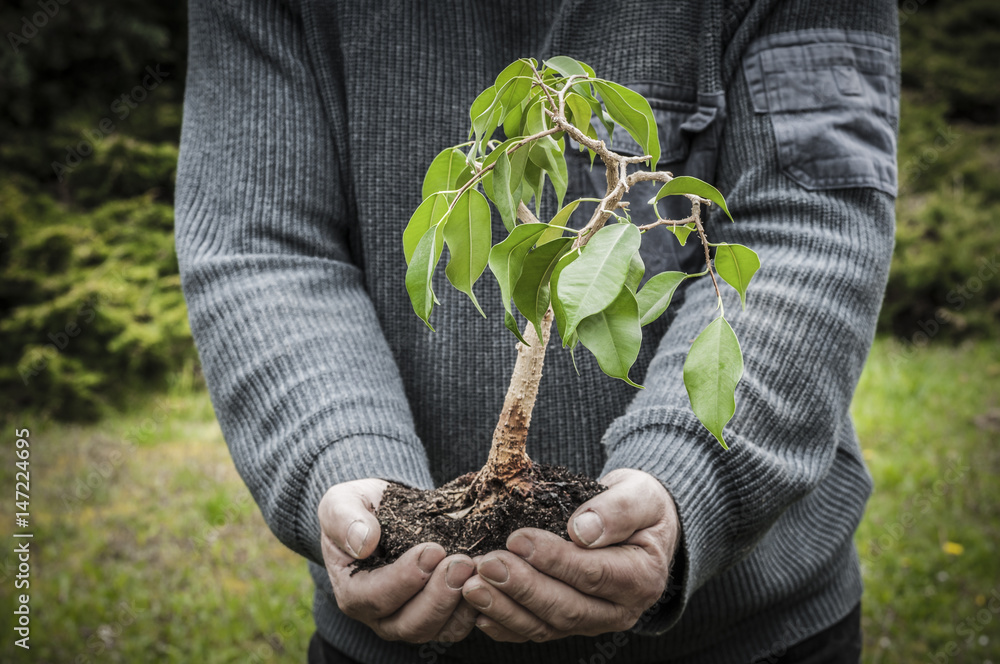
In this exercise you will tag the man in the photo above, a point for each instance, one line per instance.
(307, 128)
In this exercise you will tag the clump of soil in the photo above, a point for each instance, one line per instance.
(446, 516)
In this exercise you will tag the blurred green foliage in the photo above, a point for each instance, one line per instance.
(98, 306)
(89, 125)
(944, 281)
(90, 299)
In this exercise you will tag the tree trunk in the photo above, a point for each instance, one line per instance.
(506, 467)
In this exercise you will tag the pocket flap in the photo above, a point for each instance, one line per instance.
(832, 96)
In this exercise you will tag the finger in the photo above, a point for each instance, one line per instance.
(495, 605)
(626, 574)
(498, 632)
(381, 592)
(421, 618)
(461, 622)
(552, 601)
(634, 500)
(347, 516)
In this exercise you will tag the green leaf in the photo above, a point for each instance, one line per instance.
(631, 110)
(468, 235)
(682, 232)
(579, 112)
(499, 150)
(501, 192)
(614, 336)
(429, 213)
(531, 292)
(485, 114)
(517, 194)
(534, 178)
(603, 116)
(551, 233)
(507, 257)
(517, 159)
(558, 312)
(518, 162)
(482, 103)
(445, 171)
(514, 84)
(511, 324)
(689, 185)
(567, 66)
(560, 219)
(420, 273)
(520, 115)
(713, 367)
(514, 120)
(535, 120)
(592, 282)
(654, 298)
(737, 264)
(636, 269)
(547, 155)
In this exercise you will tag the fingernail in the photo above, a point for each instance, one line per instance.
(521, 545)
(424, 561)
(494, 569)
(357, 535)
(485, 626)
(458, 573)
(588, 527)
(479, 597)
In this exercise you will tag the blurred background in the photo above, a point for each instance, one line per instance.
(147, 545)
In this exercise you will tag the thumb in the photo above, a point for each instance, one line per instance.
(347, 516)
(634, 500)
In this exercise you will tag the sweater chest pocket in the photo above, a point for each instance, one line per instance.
(833, 103)
(658, 253)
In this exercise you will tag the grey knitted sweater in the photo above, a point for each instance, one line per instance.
(308, 125)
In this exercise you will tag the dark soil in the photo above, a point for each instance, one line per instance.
(410, 516)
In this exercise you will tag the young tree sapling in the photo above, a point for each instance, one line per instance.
(586, 280)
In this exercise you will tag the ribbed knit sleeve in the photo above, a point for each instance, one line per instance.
(302, 380)
(805, 334)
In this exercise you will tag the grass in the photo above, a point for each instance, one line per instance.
(928, 422)
(149, 547)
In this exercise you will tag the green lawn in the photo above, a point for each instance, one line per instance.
(929, 422)
(149, 548)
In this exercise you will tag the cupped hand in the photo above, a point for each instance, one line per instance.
(617, 566)
(418, 598)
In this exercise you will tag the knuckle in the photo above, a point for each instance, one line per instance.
(568, 619)
(393, 630)
(593, 578)
(386, 630)
(347, 605)
(627, 617)
(522, 593)
(541, 633)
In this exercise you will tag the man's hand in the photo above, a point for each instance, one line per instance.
(418, 598)
(546, 588)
